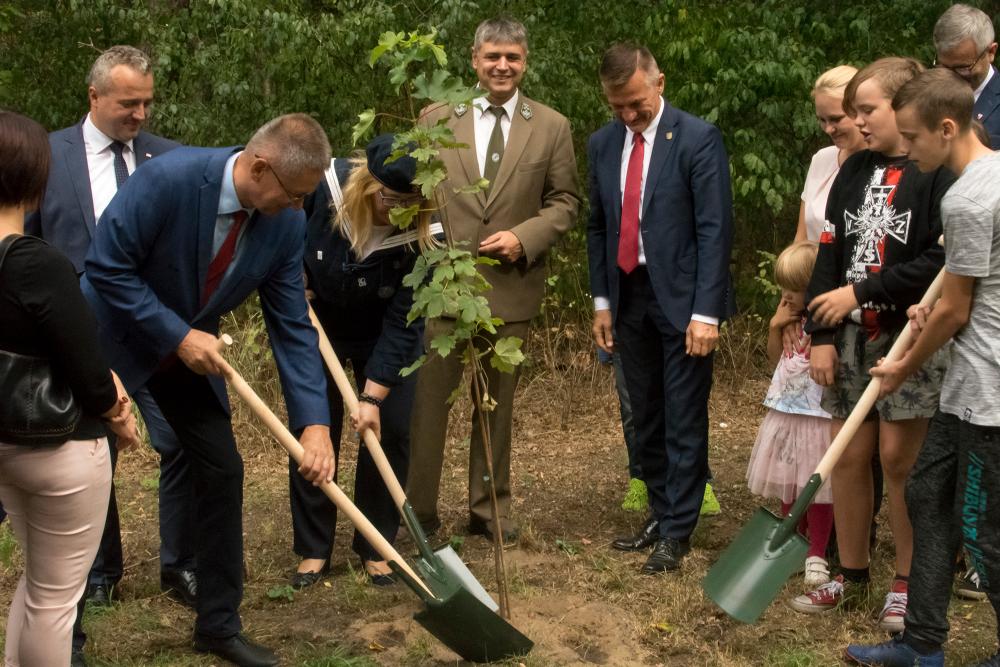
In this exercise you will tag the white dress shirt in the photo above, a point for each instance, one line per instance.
(485, 121)
(101, 165)
(648, 137)
(979, 91)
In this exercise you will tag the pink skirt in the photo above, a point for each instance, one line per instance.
(787, 451)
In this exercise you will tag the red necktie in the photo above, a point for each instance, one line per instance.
(223, 258)
(628, 238)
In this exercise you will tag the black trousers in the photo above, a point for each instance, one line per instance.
(952, 496)
(669, 393)
(204, 430)
(314, 516)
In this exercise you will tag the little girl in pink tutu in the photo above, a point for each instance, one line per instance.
(795, 432)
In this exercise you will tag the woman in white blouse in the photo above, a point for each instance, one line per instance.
(828, 94)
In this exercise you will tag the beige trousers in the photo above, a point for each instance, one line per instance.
(436, 380)
(57, 501)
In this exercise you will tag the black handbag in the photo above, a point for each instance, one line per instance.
(36, 405)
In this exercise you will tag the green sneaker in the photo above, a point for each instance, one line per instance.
(636, 499)
(709, 503)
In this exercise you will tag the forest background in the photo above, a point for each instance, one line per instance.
(223, 67)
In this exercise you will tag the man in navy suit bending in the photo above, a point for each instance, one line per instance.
(658, 241)
(187, 238)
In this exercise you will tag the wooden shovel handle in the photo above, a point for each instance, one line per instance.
(870, 395)
(344, 385)
(294, 448)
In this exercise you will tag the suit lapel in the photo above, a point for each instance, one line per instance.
(208, 211)
(663, 143)
(142, 151)
(613, 166)
(465, 133)
(75, 156)
(520, 133)
(988, 100)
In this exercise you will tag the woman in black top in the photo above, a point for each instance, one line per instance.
(56, 495)
(355, 261)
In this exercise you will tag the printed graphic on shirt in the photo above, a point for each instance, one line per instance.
(874, 221)
(829, 233)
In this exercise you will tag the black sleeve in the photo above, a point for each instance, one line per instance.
(827, 272)
(904, 284)
(48, 289)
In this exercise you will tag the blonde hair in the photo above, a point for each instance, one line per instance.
(355, 219)
(833, 81)
(794, 266)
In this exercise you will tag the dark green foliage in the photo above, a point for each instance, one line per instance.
(223, 67)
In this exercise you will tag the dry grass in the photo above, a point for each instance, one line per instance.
(581, 602)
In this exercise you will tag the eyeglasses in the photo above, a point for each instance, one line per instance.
(392, 202)
(293, 199)
(963, 69)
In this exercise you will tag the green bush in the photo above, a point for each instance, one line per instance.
(225, 66)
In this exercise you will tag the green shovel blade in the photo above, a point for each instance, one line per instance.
(466, 626)
(752, 571)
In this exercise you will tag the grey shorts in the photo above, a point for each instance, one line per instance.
(916, 399)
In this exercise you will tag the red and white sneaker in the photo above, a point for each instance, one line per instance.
(894, 611)
(824, 598)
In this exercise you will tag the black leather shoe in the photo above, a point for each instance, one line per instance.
(236, 649)
(377, 579)
(77, 659)
(99, 594)
(181, 585)
(667, 555)
(642, 540)
(302, 580)
(477, 527)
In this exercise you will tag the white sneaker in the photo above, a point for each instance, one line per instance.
(892, 618)
(817, 571)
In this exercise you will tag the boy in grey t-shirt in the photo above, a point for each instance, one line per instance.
(954, 483)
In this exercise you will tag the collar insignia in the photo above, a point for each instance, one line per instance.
(526, 111)
(461, 109)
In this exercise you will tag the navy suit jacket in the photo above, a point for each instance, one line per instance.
(987, 109)
(66, 216)
(686, 222)
(147, 265)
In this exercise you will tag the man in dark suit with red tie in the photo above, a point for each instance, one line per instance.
(659, 240)
(187, 238)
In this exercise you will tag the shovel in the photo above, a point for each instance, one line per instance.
(754, 568)
(442, 569)
(452, 614)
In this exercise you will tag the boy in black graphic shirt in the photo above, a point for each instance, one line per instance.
(878, 254)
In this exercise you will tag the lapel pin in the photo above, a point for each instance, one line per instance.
(526, 111)
(670, 135)
(148, 156)
(461, 109)
(979, 116)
